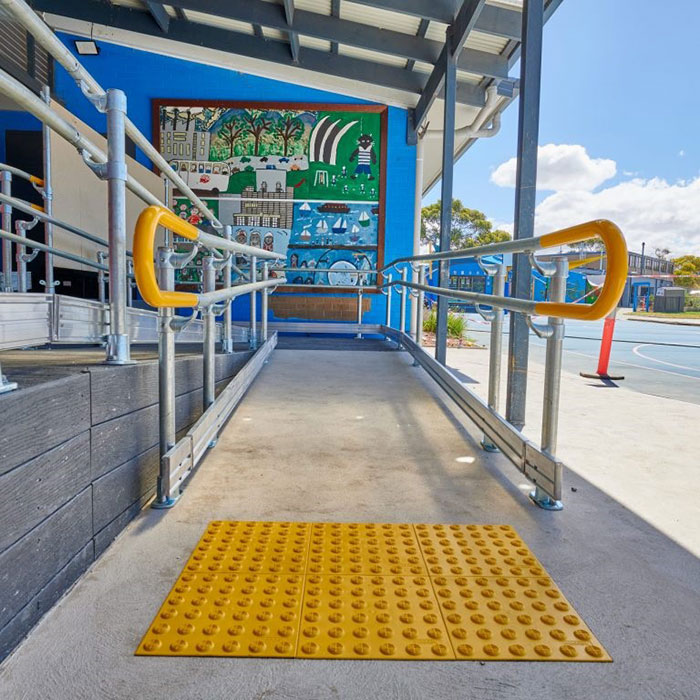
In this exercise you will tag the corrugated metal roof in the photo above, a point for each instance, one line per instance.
(376, 17)
(215, 21)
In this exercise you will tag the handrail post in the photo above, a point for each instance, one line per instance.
(209, 349)
(389, 291)
(129, 282)
(118, 351)
(420, 301)
(101, 278)
(359, 312)
(20, 258)
(264, 300)
(166, 378)
(402, 310)
(7, 226)
(552, 381)
(47, 193)
(495, 349)
(253, 304)
(227, 342)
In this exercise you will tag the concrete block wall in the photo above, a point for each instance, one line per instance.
(78, 460)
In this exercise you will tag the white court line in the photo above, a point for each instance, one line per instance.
(629, 364)
(635, 350)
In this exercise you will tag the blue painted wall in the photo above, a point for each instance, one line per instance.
(143, 76)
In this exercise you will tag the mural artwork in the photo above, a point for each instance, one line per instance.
(303, 180)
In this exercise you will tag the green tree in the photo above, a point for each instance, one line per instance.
(289, 128)
(687, 271)
(229, 132)
(257, 122)
(469, 227)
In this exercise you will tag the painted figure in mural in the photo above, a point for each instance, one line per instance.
(268, 241)
(365, 155)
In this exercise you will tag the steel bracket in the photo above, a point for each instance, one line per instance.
(100, 169)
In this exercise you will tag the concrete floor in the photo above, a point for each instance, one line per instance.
(363, 436)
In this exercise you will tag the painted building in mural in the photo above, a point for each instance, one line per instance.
(305, 181)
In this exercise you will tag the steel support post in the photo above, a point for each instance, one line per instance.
(101, 278)
(129, 282)
(359, 312)
(227, 342)
(118, 351)
(20, 258)
(6, 226)
(417, 210)
(495, 349)
(253, 304)
(404, 294)
(389, 292)
(552, 377)
(166, 378)
(264, 295)
(48, 280)
(526, 181)
(420, 306)
(209, 346)
(448, 149)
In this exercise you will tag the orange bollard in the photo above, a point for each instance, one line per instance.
(605, 348)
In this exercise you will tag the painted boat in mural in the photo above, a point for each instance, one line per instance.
(363, 219)
(353, 237)
(375, 210)
(305, 234)
(340, 225)
(305, 209)
(322, 226)
(334, 208)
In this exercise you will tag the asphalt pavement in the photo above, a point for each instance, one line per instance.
(655, 359)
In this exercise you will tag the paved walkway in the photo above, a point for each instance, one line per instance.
(363, 436)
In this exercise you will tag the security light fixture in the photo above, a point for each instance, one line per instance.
(86, 47)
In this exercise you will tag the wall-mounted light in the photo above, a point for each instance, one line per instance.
(86, 47)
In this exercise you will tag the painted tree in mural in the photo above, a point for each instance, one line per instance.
(289, 128)
(230, 131)
(257, 122)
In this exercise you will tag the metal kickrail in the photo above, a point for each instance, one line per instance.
(179, 462)
(541, 468)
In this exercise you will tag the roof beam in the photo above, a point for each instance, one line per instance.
(422, 30)
(343, 31)
(457, 34)
(160, 16)
(335, 12)
(293, 36)
(498, 21)
(187, 32)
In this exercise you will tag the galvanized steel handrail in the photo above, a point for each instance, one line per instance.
(24, 14)
(29, 208)
(4, 167)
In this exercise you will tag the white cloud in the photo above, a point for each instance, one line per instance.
(681, 153)
(661, 213)
(561, 167)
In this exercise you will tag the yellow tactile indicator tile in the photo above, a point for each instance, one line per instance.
(367, 591)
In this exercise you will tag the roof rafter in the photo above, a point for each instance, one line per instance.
(160, 16)
(349, 67)
(293, 36)
(348, 32)
(457, 34)
(498, 21)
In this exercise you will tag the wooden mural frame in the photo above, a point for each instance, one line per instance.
(381, 110)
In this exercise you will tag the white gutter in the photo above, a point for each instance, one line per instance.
(489, 112)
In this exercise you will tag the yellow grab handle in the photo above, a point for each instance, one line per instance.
(615, 273)
(144, 271)
(36, 181)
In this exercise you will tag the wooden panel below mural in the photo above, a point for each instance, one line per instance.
(306, 180)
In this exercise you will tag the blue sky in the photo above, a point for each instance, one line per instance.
(620, 79)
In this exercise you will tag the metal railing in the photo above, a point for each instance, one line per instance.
(110, 166)
(539, 464)
(178, 459)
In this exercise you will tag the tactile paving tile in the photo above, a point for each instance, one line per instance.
(367, 591)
